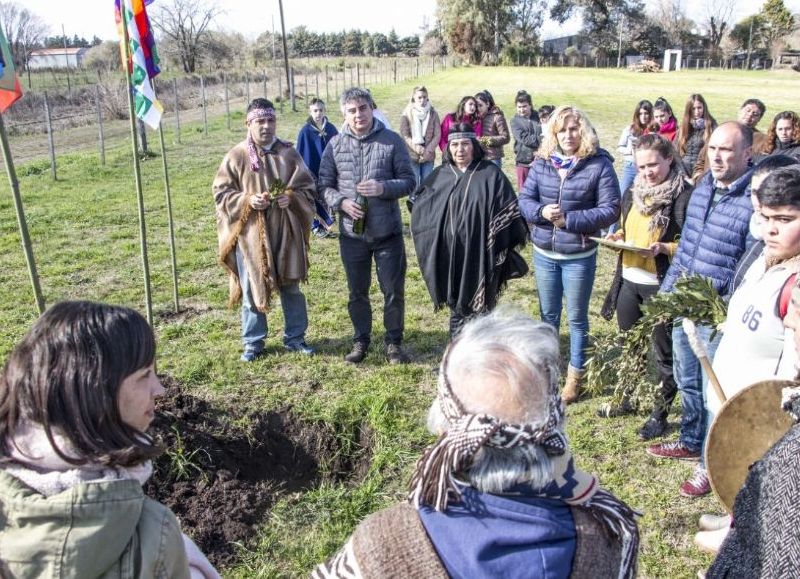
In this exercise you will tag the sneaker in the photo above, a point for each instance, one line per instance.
(609, 410)
(322, 233)
(711, 541)
(714, 522)
(654, 427)
(300, 347)
(251, 355)
(396, 355)
(696, 485)
(676, 450)
(358, 353)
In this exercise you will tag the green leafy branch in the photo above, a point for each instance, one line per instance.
(619, 360)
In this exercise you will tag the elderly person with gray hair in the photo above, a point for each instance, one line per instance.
(498, 494)
(364, 170)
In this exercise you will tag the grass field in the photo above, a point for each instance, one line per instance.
(85, 237)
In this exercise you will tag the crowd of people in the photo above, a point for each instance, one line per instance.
(499, 492)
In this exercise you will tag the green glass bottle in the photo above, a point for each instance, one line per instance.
(360, 224)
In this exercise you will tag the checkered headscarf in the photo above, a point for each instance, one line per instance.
(434, 483)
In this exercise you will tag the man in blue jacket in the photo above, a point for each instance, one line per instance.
(713, 239)
(311, 142)
(364, 171)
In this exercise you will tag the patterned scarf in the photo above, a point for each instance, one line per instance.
(699, 124)
(655, 201)
(252, 148)
(562, 161)
(434, 483)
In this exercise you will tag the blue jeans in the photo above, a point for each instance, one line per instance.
(628, 175)
(689, 377)
(573, 279)
(422, 170)
(254, 323)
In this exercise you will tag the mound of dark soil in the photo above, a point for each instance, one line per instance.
(222, 472)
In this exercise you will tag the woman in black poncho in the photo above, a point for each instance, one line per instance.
(466, 225)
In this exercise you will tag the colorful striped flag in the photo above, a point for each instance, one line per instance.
(10, 89)
(143, 63)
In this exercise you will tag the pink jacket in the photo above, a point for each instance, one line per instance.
(449, 120)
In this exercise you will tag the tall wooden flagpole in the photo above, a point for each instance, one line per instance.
(23, 224)
(136, 167)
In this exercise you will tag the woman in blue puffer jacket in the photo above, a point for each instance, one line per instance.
(571, 194)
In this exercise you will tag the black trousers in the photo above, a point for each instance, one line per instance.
(631, 297)
(390, 262)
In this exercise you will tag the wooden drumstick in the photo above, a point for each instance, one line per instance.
(699, 349)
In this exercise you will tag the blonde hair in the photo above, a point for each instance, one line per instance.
(589, 141)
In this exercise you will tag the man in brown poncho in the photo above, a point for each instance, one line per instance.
(264, 195)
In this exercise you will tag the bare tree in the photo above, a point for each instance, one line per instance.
(669, 15)
(718, 18)
(186, 23)
(24, 30)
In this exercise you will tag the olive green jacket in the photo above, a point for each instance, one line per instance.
(104, 529)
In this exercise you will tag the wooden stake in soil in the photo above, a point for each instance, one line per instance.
(172, 252)
(21, 221)
(137, 173)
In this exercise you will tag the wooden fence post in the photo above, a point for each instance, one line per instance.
(50, 142)
(227, 101)
(102, 142)
(205, 112)
(177, 111)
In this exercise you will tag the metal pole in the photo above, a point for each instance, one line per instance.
(265, 83)
(177, 111)
(100, 125)
(137, 174)
(205, 113)
(170, 221)
(327, 94)
(21, 221)
(50, 142)
(289, 82)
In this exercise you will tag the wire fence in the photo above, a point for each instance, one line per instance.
(45, 124)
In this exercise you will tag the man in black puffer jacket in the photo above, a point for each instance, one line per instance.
(367, 160)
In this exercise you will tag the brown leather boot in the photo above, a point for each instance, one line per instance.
(572, 387)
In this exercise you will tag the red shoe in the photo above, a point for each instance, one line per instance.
(697, 485)
(676, 450)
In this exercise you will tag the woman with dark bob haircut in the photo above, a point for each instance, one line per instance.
(466, 224)
(76, 398)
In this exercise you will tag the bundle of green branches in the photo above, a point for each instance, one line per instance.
(276, 188)
(619, 360)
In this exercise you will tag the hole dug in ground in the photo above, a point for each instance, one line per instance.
(221, 474)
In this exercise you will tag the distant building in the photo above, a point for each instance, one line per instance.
(56, 58)
(558, 46)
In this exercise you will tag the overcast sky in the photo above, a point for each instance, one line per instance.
(96, 17)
